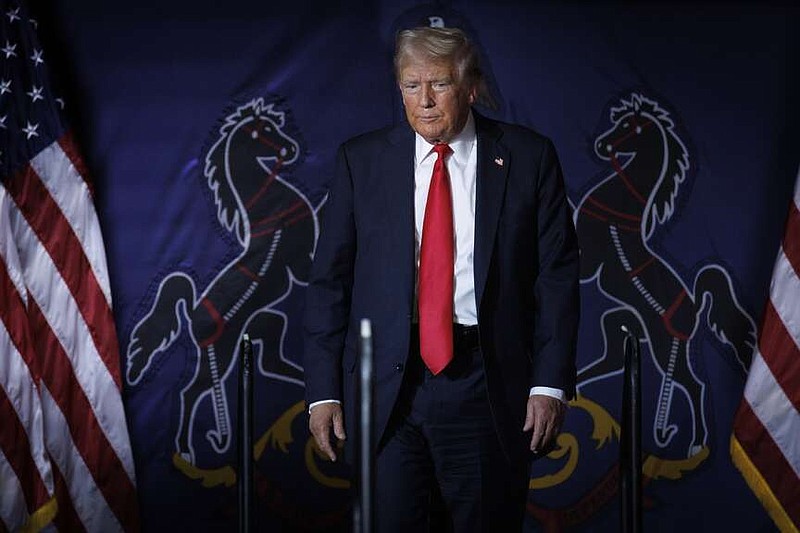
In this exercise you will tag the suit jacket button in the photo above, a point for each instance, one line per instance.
(399, 367)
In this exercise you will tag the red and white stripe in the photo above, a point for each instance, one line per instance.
(26, 480)
(56, 230)
(766, 437)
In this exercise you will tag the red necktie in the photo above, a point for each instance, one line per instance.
(436, 258)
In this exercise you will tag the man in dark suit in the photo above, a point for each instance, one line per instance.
(468, 387)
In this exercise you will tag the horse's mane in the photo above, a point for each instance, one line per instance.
(230, 211)
(251, 110)
(661, 203)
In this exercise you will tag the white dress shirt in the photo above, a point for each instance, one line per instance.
(462, 166)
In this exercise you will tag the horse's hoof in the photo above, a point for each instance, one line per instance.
(695, 449)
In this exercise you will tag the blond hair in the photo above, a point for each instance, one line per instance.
(439, 44)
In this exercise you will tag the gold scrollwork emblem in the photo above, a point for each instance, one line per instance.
(604, 430)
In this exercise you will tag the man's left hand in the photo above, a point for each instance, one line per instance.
(544, 416)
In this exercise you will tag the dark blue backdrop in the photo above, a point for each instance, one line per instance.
(149, 84)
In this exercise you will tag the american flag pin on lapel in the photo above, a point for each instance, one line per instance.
(498, 161)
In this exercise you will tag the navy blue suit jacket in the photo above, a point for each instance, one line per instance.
(525, 263)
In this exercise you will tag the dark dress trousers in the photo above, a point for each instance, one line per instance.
(525, 267)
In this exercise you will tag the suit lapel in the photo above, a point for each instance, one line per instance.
(493, 164)
(398, 193)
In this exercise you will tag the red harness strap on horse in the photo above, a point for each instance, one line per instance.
(667, 317)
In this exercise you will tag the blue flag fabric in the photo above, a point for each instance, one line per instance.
(212, 131)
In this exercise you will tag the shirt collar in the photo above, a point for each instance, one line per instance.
(461, 144)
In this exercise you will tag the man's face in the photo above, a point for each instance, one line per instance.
(437, 103)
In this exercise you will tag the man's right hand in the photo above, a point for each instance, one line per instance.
(322, 417)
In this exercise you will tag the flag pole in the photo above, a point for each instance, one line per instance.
(630, 484)
(363, 519)
(245, 431)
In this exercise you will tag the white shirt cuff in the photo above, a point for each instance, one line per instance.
(558, 394)
(314, 404)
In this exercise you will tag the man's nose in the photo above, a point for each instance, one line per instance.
(426, 97)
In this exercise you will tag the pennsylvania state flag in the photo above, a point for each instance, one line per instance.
(211, 131)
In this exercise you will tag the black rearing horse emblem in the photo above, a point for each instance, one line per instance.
(615, 221)
(277, 229)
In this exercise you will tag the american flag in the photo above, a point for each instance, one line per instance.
(766, 436)
(65, 454)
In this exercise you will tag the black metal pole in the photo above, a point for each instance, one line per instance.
(630, 459)
(245, 440)
(363, 519)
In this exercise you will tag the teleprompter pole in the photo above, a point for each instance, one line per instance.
(364, 515)
(630, 459)
(245, 434)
